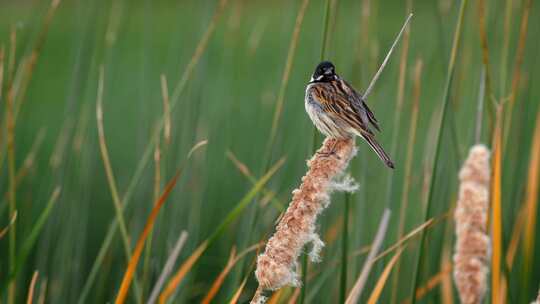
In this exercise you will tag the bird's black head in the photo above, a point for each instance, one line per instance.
(324, 72)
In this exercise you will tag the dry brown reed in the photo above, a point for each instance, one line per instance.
(471, 256)
(166, 109)
(168, 268)
(531, 198)
(433, 282)
(495, 217)
(361, 281)
(30, 297)
(137, 252)
(277, 266)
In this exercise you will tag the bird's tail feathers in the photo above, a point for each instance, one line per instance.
(379, 150)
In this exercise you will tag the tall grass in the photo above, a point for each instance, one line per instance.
(441, 125)
(227, 78)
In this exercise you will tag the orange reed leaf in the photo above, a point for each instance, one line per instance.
(274, 299)
(238, 292)
(221, 277)
(504, 288)
(433, 282)
(496, 213)
(532, 196)
(181, 273)
(376, 293)
(30, 297)
(132, 266)
(447, 289)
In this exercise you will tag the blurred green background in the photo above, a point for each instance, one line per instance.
(229, 99)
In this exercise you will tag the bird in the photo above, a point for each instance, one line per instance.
(339, 111)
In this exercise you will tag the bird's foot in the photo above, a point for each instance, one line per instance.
(331, 151)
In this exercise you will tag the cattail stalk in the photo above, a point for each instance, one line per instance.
(277, 266)
(471, 255)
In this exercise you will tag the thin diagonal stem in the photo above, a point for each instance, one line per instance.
(385, 61)
(355, 293)
(168, 268)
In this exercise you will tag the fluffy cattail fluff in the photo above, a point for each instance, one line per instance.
(537, 301)
(277, 266)
(472, 249)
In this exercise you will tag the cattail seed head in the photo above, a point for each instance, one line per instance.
(472, 249)
(277, 266)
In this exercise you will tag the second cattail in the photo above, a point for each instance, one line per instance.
(472, 251)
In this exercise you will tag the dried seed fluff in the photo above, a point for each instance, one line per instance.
(277, 266)
(472, 248)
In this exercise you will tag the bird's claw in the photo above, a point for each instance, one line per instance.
(329, 153)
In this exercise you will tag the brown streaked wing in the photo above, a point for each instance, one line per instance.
(337, 104)
(359, 103)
